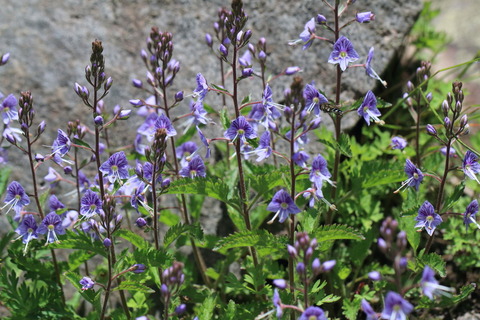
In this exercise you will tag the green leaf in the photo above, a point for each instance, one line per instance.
(407, 224)
(231, 312)
(344, 145)
(130, 285)
(78, 257)
(205, 311)
(79, 241)
(193, 230)
(219, 88)
(186, 136)
(135, 239)
(4, 175)
(336, 232)
(434, 261)
(264, 242)
(453, 198)
(380, 172)
(82, 143)
(224, 118)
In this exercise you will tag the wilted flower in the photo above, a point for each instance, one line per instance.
(202, 87)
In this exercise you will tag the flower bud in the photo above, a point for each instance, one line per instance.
(292, 251)
(39, 157)
(98, 120)
(138, 268)
(429, 97)
(247, 72)
(431, 130)
(316, 266)
(458, 106)
(463, 121)
(181, 309)
(41, 127)
(208, 40)
(328, 265)
(67, 170)
(280, 283)
(382, 244)
(447, 123)
(321, 19)
(124, 114)
(108, 84)
(137, 83)
(223, 50)
(374, 276)
(140, 222)
(10, 138)
(107, 242)
(262, 56)
(410, 86)
(4, 59)
(292, 70)
(300, 267)
(179, 96)
(166, 183)
(136, 102)
(365, 17)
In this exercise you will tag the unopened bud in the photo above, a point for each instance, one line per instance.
(328, 265)
(292, 70)
(223, 50)
(140, 222)
(300, 267)
(4, 59)
(447, 123)
(107, 242)
(375, 275)
(410, 86)
(166, 183)
(431, 130)
(429, 97)
(247, 72)
(67, 170)
(39, 157)
(179, 96)
(181, 309)
(98, 120)
(280, 283)
(208, 40)
(321, 19)
(445, 108)
(463, 121)
(137, 83)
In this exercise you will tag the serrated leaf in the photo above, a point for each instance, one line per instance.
(79, 241)
(193, 230)
(453, 198)
(336, 232)
(130, 285)
(344, 145)
(224, 119)
(78, 257)
(328, 299)
(219, 88)
(264, 242)
(82, 143)
(135, 239)
(380, 172)
(205, 311)
(231, 312)
(434, 261)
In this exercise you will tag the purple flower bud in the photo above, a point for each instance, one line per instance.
(118, 218)
(136, 102)
(309, 253)
(429, 96)
(166, 183)
(137, 83)
(300, 267)
(107, 242)
(139, 268)
(164, 290)
(208, 40)
(247, 72)
(108, 84)
(403, 262)
(181, 309)
(446, 122)
(10, 138)
(292, 70)
(4, 59)
(280, 283)
(410, 86)
(179, 96)
(321, 19)
(445, 107)
(41, 127)
(365, 17)
(328, 265)
(374, 276)
(316, 266)
(463, 121)
(315, 123)
(124, 114)
(98, 120)
(67, 170)
(223, 50)
(431, 130)
(292, 251)
(382, 244)
(141, 222)
(288, 112)
(39, 157)
(262, 56)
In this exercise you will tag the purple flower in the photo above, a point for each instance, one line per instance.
(415, 176)
(430, 286)
(427, 218)
(186, 150)
(194, 168)
(54, 203)
(164, 123)
(319, 172)
(202, 87)
(138, 268)
(313, 99)
(263, 150)
(469, 215)
(280, 283)
(306, 35)
(398, 143)
(116, 167)
(52, 226)
(300, 158)
(16, 197)
(343, 53)
(61, 145)
(148, 127)
(283, 205)
(471, 165)
(87, 283)
(367, 308)
(90, 204)
(204, 141)
(365, 17)
(369, 70)
(374, 275)
(8, 109)
(277, 303)
(313, 313)
(27, 230)
(267, 111)
(396, 308)
(368, 109)
(240, 128)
